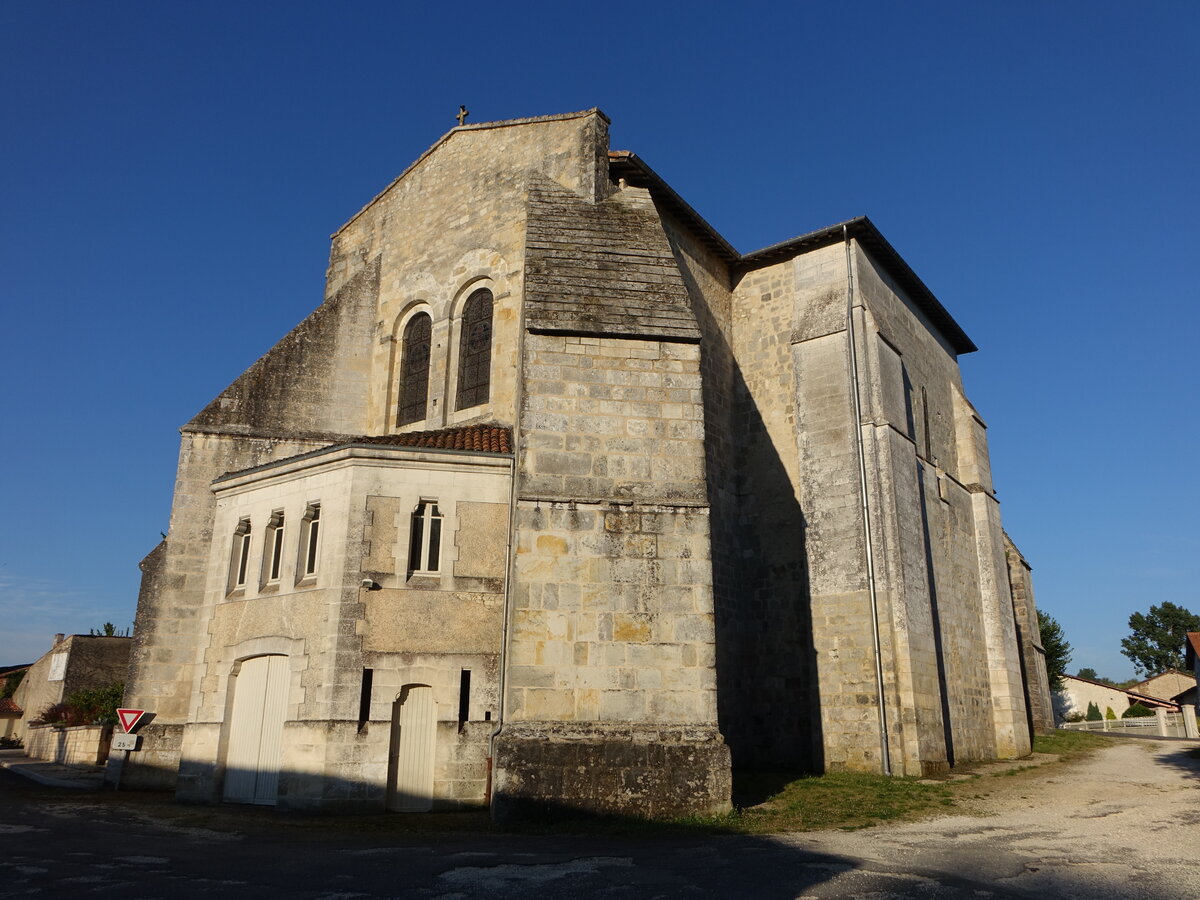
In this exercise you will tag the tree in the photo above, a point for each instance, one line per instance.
(1137, 711)
(1089, 674)
(1093, 713)
(1058, 651)
(1156, 640)
(108, 629)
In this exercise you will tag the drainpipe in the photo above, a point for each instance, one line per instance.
(509, 554)
(884, 752)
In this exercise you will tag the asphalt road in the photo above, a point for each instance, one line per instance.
(1124, 824)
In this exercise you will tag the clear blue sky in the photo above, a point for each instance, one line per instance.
(172, 173)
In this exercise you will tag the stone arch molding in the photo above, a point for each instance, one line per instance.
(231, 661)
(481, 267)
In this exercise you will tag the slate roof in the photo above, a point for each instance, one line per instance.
(602, 269)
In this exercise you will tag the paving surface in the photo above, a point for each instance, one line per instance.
(1123, 824)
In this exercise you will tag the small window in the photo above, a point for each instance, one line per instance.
(310, 541)
(239, 560)
(414, 377)
(58, 667)
(425, 539)
(273, 555)
(475, 351)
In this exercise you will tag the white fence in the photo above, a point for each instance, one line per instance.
(1163, 724)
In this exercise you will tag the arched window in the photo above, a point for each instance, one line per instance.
(414, 374)
(475, 351)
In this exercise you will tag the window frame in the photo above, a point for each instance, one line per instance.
(475, 361)
(426, 528)
(308, 559)
(409, 342)
(239, 555)
(273, 544)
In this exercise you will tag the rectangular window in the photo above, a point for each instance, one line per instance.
(273, 555)
(464, 698)
(239, 558)
(310, 541)
(364, 699)
(425, 539)
(58, 667)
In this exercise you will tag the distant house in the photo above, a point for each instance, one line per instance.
(1191, 651)
(1178, 687)
(1077, 693)
(10, 714)
(73, 663)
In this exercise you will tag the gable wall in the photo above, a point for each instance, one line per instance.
(455, 223)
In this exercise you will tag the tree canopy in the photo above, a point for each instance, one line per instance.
(1058, 650)
(1156, 639)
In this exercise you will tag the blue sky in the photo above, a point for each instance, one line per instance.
(172, 173)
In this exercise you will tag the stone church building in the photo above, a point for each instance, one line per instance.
(558, 500)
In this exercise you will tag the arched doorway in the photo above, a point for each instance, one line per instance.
(412, 750)
(260, 690)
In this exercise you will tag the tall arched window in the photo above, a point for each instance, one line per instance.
(475, 351)
(414, 372)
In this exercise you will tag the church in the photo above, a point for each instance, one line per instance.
(559, 502)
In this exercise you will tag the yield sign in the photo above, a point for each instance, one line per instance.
(129, 718)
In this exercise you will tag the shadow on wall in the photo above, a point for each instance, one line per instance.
(768, 699)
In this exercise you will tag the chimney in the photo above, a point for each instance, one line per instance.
(58, 639)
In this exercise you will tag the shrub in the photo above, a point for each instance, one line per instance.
(1073, 717)
(1108, 713)
(1093, 713)
(97, 706)
(1137, 711)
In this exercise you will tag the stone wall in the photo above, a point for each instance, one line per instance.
(1033, 655)
(81, 745)
(611, 626)
(76, 662)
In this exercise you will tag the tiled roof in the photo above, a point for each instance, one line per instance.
(9, 707)
(473, 438)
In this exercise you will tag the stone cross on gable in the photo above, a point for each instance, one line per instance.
(463, 112)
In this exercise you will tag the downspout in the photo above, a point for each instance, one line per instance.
(884, 752)
(509, 555)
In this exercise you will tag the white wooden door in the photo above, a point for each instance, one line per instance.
(414, 743)
(256, 731)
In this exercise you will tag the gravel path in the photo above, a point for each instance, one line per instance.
(1122, 824)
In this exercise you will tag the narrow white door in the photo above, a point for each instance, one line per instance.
(256, 731)
(414, 743)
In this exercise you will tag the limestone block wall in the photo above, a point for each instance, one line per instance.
(452, 223)
(611, 625)
(1033, 654)
(407, 629)
(769, 637)
(73, 663)
(947, 643)
(81, 745)
(914, 389)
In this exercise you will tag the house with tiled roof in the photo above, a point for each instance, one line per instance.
(559, 501)
(10, 714)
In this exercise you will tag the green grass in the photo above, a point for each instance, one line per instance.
(1069, 744)
(846, 800)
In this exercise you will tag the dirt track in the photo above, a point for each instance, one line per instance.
(1123, 824)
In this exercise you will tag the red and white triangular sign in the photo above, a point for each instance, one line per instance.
(129, 718)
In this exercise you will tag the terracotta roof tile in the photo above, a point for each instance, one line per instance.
(472, 438)
(8, 706)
